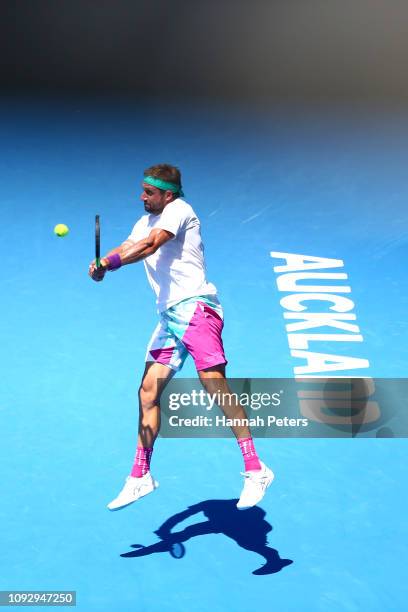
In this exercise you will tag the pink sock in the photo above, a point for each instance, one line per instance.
(248, 451)
(141, 464)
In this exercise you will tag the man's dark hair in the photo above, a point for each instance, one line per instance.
(166, 172)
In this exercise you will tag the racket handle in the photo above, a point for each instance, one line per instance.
(98, 262)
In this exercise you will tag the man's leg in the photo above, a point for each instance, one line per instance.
(140, 482)
(155, 378)
(258, 477)
(214, 382)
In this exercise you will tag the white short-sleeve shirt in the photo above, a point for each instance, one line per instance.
(176, 271)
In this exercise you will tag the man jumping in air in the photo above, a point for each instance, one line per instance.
(168, 240)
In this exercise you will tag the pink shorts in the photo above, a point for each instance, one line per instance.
(194, 327)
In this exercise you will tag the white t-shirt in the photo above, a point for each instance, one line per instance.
(176, 271)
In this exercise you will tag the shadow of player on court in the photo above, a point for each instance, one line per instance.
(248, 528)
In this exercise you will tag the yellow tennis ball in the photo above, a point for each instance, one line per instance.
(61, 230)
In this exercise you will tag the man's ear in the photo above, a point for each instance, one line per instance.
(169, 196)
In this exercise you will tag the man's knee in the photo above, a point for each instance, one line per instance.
(148, 396)
(154, 380)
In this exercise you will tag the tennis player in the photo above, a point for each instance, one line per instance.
(168, 240)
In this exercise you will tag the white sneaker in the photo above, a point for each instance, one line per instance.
(255, 485)
(134, 489)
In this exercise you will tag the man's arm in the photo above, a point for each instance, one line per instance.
(132, 252)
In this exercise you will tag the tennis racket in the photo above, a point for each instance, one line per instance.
(97, 242)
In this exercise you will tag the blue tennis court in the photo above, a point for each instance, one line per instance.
(333, 525)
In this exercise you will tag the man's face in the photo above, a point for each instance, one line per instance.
(154, 199)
